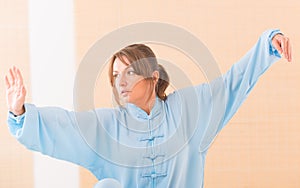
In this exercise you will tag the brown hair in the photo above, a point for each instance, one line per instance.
(144, 62)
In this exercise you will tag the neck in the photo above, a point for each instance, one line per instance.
(147, 103)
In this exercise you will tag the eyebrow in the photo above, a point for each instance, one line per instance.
(129, 66)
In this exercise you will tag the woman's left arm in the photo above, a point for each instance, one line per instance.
(220, 99)
(240, 79)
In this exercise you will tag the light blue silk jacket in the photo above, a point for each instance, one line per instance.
(166, 148)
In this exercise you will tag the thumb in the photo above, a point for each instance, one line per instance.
(23, 91)
(277, 46)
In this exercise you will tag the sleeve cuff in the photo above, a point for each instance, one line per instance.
(17, 119)
(16, 124)
(273, 50)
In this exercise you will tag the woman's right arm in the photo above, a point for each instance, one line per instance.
(50, 130)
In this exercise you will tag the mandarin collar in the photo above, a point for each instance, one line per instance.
(139, 113)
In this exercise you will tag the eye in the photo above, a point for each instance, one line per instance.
(115, 75)
(131, 72)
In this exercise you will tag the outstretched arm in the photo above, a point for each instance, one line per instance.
(243, 75)
(238, 82)
(50, 130)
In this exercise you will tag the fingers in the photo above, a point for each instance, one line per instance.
(19, 77)
(285, 49)
(7, 84)
(277, 44)
(283, 46)
(15, 76)
(12, 76)
(289, 49)
(278, 47)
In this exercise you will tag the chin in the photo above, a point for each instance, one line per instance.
(130, 100)
(126, 100)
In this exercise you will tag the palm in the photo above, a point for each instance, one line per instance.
(283, 45)
(15, 91)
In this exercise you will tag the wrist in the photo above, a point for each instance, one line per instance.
(18, 112)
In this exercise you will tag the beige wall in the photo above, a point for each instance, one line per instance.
(16, 168)
(259, 147)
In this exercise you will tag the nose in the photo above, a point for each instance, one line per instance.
(122, 81)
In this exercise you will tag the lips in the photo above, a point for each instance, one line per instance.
(124, 93)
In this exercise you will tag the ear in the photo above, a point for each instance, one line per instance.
(155, 76)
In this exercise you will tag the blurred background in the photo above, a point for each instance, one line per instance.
(48, 39)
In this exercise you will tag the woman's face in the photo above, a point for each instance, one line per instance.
(130, 87)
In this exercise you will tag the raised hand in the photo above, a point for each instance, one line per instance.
(283, 45)
(15, 91)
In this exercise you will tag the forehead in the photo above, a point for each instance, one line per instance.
(119, 66)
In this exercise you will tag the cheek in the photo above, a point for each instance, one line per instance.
(136, 83)
(140, 89)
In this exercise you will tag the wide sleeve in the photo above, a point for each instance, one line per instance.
(54, 131)
(231, 90)
(243, 75)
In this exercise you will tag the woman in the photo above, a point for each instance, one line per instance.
(166, 138)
